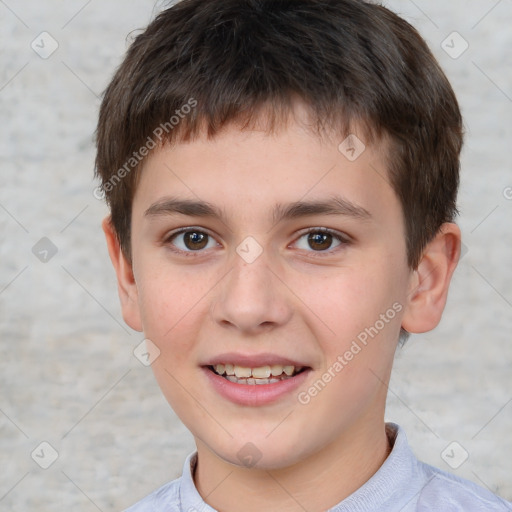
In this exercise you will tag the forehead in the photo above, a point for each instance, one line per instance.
(245, 171)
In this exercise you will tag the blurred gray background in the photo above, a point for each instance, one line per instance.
(68, 376)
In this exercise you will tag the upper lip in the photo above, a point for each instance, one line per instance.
(253, 361)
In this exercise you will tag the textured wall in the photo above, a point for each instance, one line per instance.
(68, 376)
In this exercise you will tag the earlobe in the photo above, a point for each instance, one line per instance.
(126, 285)
(430, 282)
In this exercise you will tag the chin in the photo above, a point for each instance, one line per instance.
(262, 454)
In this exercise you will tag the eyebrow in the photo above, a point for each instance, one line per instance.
(335, 205)
(169, 206)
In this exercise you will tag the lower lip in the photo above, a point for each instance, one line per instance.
(254, 394)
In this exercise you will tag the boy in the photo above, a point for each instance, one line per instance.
(282, 178)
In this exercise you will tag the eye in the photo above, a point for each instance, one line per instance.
(190, 240)
(320, 240)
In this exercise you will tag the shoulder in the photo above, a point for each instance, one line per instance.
(166, 498)
(449, 493)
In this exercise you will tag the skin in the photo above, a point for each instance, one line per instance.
(295, 300)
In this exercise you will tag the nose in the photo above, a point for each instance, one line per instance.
(252, 298)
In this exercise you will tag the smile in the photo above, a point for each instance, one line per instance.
(256, 376)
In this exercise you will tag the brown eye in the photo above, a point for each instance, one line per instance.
(191, 240)
(195, 240)
(320, 241)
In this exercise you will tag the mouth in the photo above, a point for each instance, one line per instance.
(267, 374)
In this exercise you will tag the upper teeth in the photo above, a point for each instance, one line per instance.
(261, 372)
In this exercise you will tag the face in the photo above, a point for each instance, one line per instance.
(279, 259)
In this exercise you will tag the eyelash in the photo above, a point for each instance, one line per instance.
(343, 240)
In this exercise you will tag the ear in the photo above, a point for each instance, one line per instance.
(430, 281)
(126, 285)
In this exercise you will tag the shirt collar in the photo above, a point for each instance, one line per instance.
(190, 499)
(389, 489)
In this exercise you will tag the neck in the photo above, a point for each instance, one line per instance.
(314, 484)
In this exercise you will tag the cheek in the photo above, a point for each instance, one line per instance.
(170, 302)
(355, 314)
(171, 305)
(350, 300)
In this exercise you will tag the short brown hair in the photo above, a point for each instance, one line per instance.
(349, 61)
